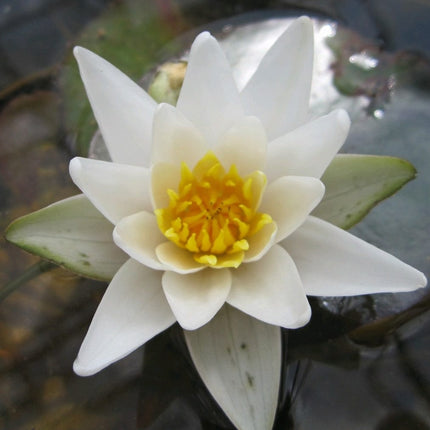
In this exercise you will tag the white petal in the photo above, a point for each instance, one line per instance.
(132, 311)
(245, 145)
(308, 150)
(123, 110)
(289, 200)
(278, 92)
(116, 190)
(332, 262)
(164, 176)
(175, 139)
(239, 360)
(260, 242)
(271, 290)
(177, 259)
(197, 297)
(209, 97)
(138, 235)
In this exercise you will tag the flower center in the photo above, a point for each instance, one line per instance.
(213, 212)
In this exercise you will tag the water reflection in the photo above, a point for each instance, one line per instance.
(402, 420)
(384, 380)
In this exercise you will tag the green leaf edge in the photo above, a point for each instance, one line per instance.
(408, 170)
(42, 252)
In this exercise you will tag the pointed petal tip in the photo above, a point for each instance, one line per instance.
(81, 53)
(76, 51)
(304, 23)
(343, 119)
(320, 190)
(317, 244)
(422, 281)
(159, 110)
(83, 370)
(192, 305)
(192, 326)
(304, 20)
(202, 39)
(303, 319)
(75, 167)
(204, 35)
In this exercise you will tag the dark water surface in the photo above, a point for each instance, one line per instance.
(362, 363)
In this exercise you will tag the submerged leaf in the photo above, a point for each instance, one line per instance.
(356, 183)
(239, 360)
(73, 234)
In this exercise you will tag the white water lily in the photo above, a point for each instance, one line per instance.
(211, 200)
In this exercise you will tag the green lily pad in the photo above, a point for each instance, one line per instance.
(356, 183)
(73, 234)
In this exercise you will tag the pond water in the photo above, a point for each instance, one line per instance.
(362, 363)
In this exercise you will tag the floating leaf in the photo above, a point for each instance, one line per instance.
(356, 183)
(73, 234)
(239, 360)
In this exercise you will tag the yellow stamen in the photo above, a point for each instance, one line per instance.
(213, 212)
(208, 259)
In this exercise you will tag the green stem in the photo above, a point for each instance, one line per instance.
(30, 273)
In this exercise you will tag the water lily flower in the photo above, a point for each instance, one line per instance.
(211, 199)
